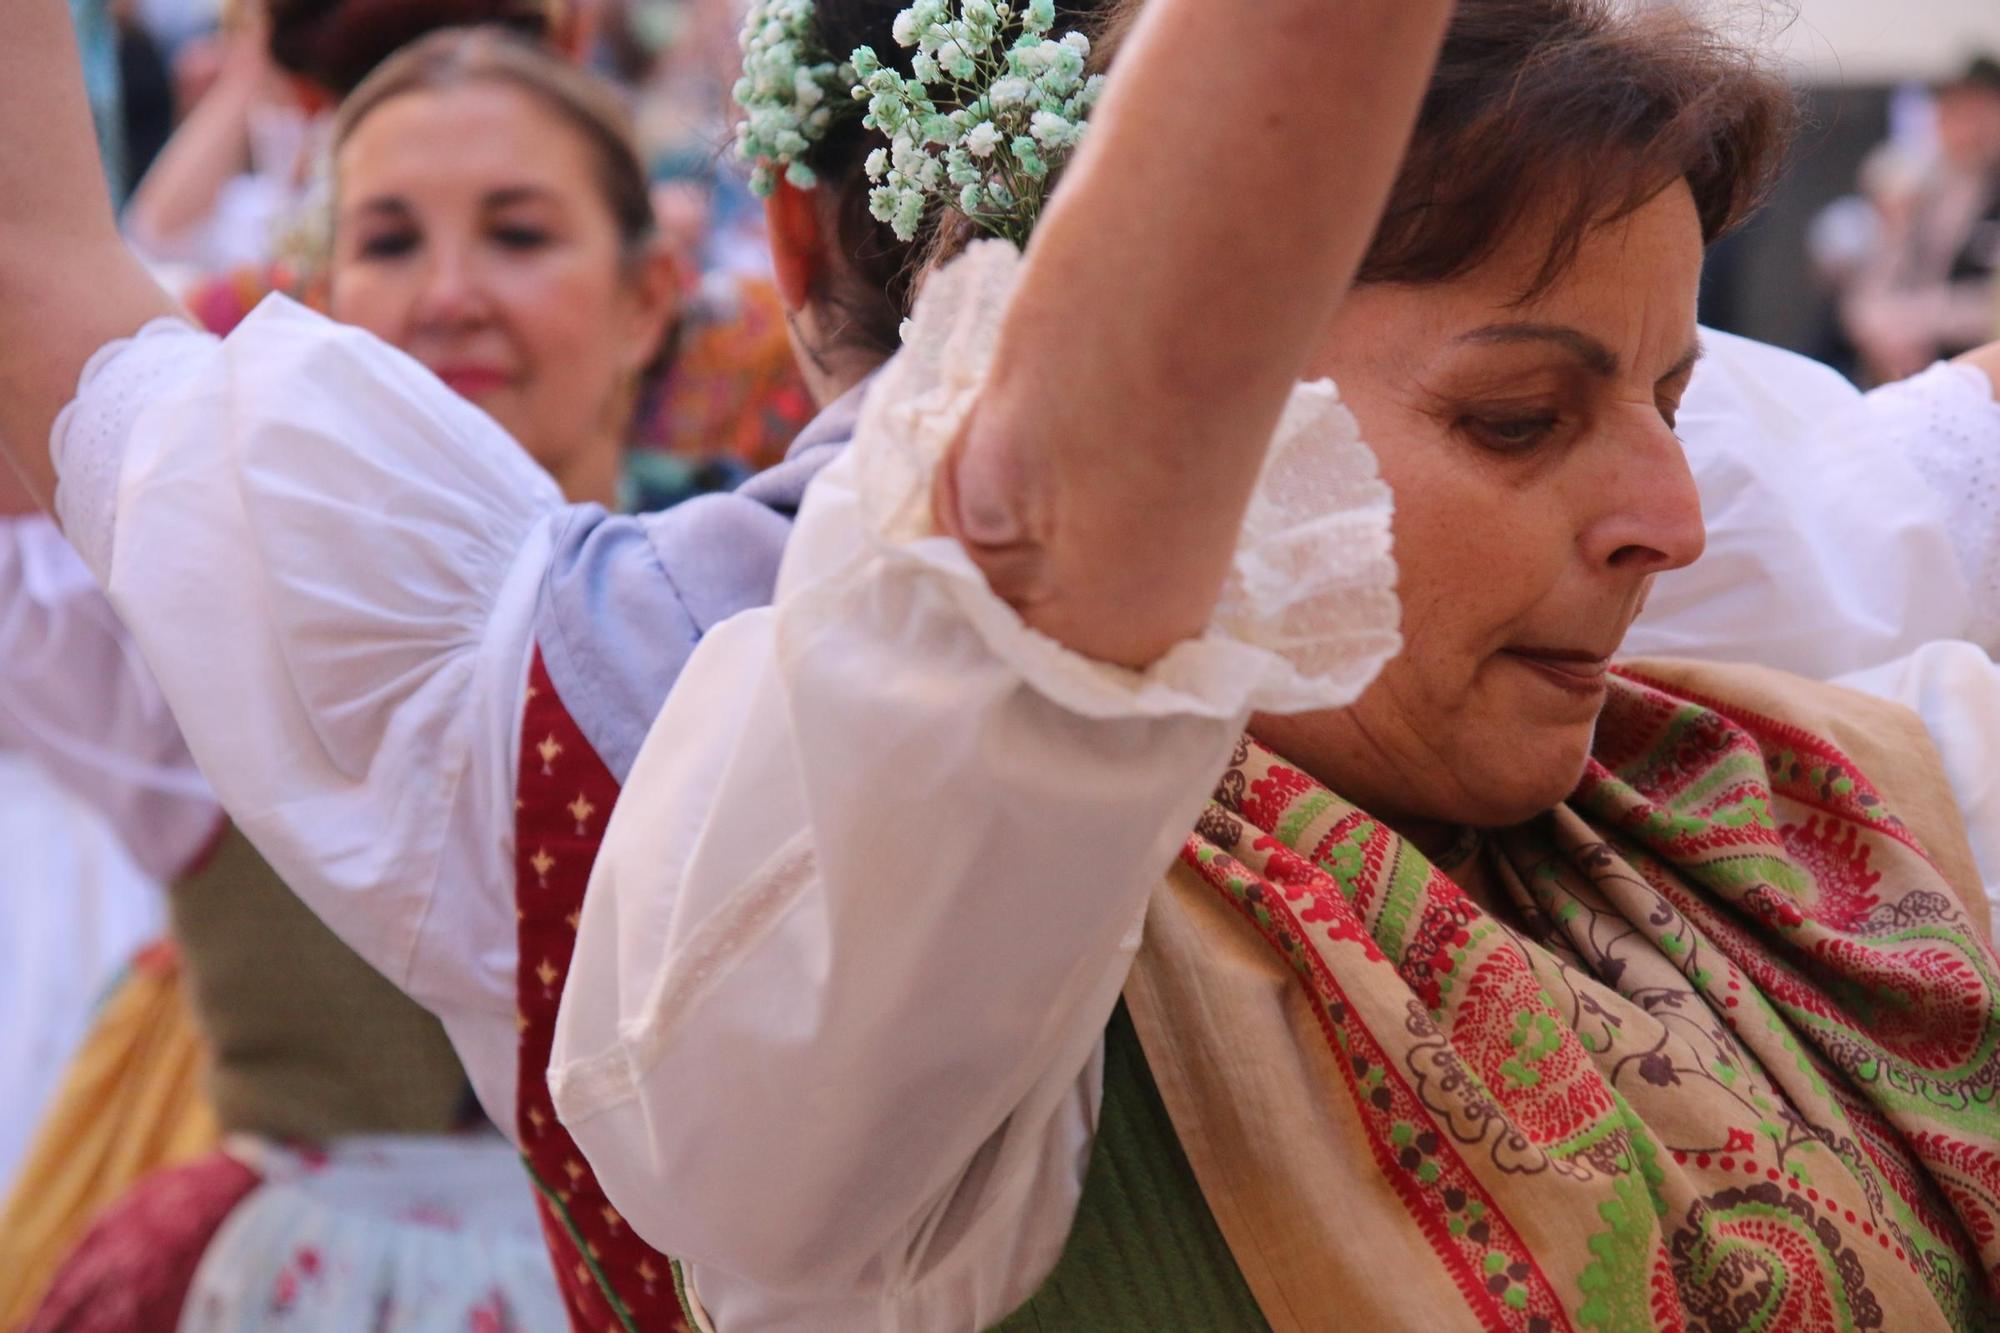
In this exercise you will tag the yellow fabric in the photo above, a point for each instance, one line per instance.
(133, 1101)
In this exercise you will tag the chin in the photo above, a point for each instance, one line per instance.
(1525, 780)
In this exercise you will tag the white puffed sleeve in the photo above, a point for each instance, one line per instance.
(1828, 550)
(1945, 424)
(330, 561)
(833, 1028)
(77, 697)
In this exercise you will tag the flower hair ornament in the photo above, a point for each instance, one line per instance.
(790, 92)
(993, 104)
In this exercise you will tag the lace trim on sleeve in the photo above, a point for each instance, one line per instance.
(88, 443)
(1949, 426)
(1309, 612)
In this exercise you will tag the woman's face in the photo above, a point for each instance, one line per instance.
(1539, 488)
(472, 233)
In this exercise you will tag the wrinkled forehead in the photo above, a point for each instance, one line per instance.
(1624, 303)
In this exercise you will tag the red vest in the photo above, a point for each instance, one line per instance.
(610, 1279)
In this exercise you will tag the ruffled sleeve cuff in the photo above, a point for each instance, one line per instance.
(119, 382)
(1947, 423)
(1308, 614)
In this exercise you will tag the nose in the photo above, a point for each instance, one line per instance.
(449, 293)
(1651, 517)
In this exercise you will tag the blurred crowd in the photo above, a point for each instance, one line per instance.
(215, 117)
(1913, 254)
(555, 229)
(218, 1103)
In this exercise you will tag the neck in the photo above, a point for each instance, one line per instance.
(590, 476)
(830, 365)
(839, 376)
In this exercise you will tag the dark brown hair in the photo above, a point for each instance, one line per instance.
(1568, 105)
(337, 43)
(1574, 107)
(1562, 105)
(457, 57)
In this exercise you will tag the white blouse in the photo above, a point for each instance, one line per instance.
(76, 698)
(332, 563)
(73, 910)
(886, 849)
(1844, 529)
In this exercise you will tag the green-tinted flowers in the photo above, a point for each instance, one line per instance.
(993, 105)
(791, 92)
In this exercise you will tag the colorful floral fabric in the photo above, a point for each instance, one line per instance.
(1728, 1058)
(133, 1105)
(416, 1234)
(732, 392)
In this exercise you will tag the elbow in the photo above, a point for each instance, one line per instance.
(779, 1212)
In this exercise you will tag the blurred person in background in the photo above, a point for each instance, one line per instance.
(1929, 291)
(721, 400)
(146, 90)
(76, 910)
(492, 219)
(74, 903)
(239, 170)
(731, 401)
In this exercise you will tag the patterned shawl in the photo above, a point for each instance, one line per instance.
(1732, 1063)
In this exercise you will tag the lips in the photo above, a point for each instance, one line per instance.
(1575, 670)
(473, 381)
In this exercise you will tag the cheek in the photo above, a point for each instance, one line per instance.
(567, 321)
(376, 298)
(1474, 555)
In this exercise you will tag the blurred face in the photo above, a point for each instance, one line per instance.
(472, 233)
(1539, 489)
(1968, 127)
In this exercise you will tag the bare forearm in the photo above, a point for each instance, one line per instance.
(209, 148)
(67, 284)
(1986, 358)
(1200, 246)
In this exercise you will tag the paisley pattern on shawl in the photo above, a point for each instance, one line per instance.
(1732, 1060)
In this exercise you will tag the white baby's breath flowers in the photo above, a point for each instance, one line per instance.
(992, 106)
(791, 93)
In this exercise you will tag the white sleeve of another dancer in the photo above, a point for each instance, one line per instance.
(330, 561)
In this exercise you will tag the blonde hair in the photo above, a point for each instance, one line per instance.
(460, 57)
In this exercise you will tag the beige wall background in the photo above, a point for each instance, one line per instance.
(1866, 41)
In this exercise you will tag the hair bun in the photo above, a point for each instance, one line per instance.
(337, 43)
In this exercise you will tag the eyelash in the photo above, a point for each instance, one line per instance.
(1488, 432)
(521, 238)
(396, 245)
(389, 245)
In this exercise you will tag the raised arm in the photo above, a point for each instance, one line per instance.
(1151, 348)
(209, 148)
(870, 893)
(68, 284)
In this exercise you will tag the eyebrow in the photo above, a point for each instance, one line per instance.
(392, 205)
(509, 195)
(504, 197)
(1597, 358)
